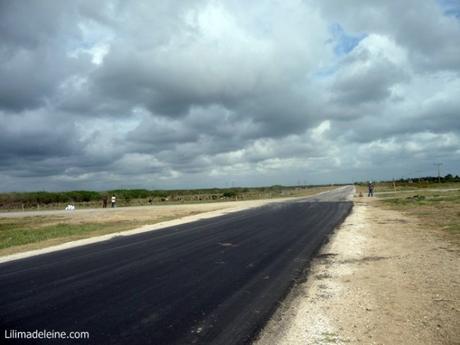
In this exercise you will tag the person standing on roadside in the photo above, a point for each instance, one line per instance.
(370, 188)
(114, 201)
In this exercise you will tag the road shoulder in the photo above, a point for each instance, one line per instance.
(383, 278)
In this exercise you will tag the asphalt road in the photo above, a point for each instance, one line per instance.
(214, 281)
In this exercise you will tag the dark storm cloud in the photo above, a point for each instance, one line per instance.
(33, 41)
(169, 85)
(370, 82)
(31, 136)
(21, 29)
(33, 77)
(101, 93)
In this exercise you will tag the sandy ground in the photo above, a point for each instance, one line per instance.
(108, 214)
(420, 190)
(383, 278)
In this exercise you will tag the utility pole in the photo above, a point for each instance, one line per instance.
(439, 171)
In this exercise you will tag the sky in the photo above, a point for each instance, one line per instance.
(191, 94)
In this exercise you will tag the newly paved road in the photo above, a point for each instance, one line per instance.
(215, 281)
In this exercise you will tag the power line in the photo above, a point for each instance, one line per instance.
(439, 171)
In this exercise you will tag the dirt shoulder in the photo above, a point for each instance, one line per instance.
(383, 278)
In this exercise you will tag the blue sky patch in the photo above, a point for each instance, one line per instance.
(344, 42)
(450, 7)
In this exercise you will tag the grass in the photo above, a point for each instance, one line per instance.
(21, 231)
(330, 338)
(404, 187)
(436, 209)
(28, 233)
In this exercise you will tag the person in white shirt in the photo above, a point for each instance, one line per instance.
(114, 201)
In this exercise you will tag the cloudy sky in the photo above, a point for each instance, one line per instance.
(198, 93)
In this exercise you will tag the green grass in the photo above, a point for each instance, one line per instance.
(422, 198)
(17, 232)
(329, 338)
(420, 186)
(19, 236)
(440, 210)
(454, 228)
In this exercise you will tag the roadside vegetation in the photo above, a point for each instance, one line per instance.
(436, 203)
(14, 232)
(429, 182)
(439, 210)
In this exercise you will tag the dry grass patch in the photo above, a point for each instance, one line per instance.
(436, 210)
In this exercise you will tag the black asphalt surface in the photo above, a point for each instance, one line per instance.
(214, 281)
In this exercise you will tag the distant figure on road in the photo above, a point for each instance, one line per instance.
(104, 201)
(114, 201)
(370, 187)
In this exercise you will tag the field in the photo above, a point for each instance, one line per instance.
(386, 187)
(436, 205)
(21, 231)
(437, 210)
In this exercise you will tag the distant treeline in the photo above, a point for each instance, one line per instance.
(426, 179)
(32, 199)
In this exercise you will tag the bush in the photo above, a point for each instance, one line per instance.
(230, 194)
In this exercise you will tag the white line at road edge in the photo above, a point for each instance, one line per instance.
(144, 228)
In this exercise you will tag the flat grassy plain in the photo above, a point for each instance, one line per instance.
(387, 187)
(22, 231)
(437, 209)
(436, 205)
(14, 231)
